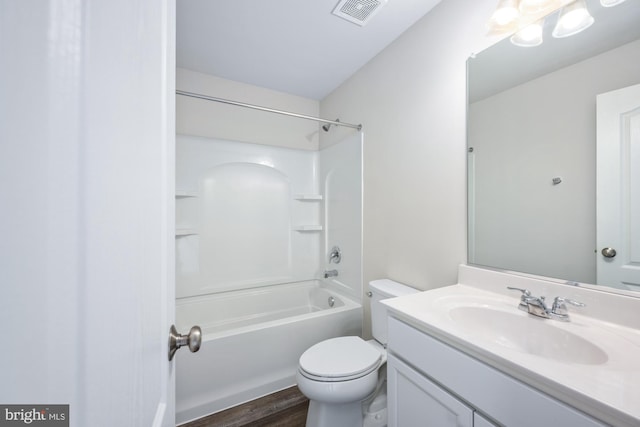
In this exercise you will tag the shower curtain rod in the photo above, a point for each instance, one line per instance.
(270, 110)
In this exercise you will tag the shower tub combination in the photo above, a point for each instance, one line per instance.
(252, 340)
(254, 228)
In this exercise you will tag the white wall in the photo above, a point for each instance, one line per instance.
(40, 167)
(216, 120)
(411, 100)
(516, 159)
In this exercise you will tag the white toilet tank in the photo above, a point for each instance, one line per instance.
(383, 289)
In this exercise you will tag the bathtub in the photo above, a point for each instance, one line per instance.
(252, 340)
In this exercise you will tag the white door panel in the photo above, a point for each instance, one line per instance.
(618, 187)
(86, 178)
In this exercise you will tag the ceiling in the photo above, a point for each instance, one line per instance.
(293, 46)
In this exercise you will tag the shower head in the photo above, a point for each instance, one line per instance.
(327, 126)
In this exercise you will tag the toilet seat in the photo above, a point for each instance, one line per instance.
(339, 359)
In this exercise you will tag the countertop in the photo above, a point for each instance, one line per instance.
(607, 389)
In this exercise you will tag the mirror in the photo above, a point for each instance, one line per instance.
(532, 159)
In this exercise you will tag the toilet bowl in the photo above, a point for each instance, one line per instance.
(339, 375)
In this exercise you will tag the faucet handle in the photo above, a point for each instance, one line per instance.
(525, 292)
(559, 308)
(559, 304)
(524, 299)
(335, 255)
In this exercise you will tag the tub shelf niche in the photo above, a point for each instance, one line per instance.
(308, 228)
(308, 197)
(182, 232)
(184, 208)
(184, 194)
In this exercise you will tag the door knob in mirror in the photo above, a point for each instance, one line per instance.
(608, 252)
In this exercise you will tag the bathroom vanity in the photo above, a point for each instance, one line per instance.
(464, 355)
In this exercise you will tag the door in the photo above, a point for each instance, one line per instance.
(413, 400)
(618, 188)
(86, 181)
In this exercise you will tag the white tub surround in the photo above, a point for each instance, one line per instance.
(255, 228)
(340, 171)
(250, 215)
(589, 363)
(242, 217)
(252, 340)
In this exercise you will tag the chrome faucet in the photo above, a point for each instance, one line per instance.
(330, 273)
(538, 307)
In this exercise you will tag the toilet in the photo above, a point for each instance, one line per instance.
(345, 377)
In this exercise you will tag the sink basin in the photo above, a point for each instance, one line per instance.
(527, 334)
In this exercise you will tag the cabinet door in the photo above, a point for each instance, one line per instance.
(480, 421)
(415, 401)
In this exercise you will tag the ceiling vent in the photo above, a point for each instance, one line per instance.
(358, 11)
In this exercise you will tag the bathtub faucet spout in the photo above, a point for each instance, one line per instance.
(330, 273)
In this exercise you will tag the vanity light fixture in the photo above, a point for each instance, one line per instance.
(610, 3)
(504, 17)
(526, 19)
(573, 18)
(530, 35)
(511, 16)
(539, 6)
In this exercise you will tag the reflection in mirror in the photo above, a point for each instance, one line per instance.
(533, 139)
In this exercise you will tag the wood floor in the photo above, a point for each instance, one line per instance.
(286, 408)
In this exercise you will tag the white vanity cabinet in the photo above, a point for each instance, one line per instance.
(480, 421)
(414, 400)
(433, 384)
